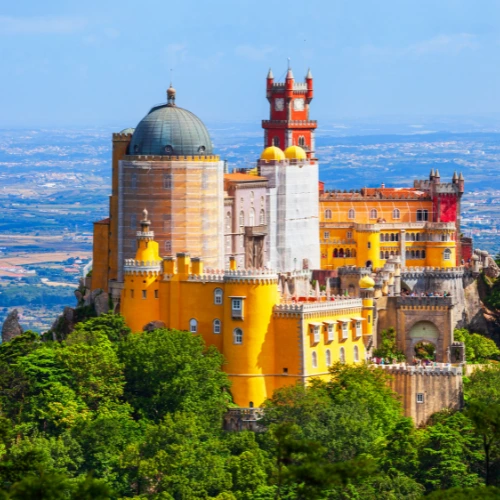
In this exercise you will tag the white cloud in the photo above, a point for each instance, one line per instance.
(253, 53)
(41, 25)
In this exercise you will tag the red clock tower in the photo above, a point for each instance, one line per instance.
(289, 123)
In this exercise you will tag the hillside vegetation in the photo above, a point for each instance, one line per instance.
(110, 414)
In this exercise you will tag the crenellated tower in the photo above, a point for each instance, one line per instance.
(289, 123)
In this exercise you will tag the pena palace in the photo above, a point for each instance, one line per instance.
(284, 277)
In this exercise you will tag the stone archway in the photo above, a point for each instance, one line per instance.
(422, 331)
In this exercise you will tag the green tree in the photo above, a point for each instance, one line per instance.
(388, 346)
(168, 371)
(478, 349)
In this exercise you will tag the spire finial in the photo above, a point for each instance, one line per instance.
(145, 215)
(309, 74)
(171, 93)
(289, 63)
(270, 74)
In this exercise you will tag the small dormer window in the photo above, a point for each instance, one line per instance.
(201, 149)
(169, 150)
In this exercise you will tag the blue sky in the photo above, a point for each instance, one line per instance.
(106, 62)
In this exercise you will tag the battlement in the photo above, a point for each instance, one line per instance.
(336, 304)
(141, 266)
(407, 301)
(439, 369)
(353, 270)
(289, 123)
(208, 158)
(118, 136)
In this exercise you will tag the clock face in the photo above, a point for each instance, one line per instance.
(298, 104)
(279, 104)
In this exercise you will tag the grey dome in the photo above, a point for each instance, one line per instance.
(170, 131)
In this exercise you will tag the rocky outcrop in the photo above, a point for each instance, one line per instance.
(11, 327)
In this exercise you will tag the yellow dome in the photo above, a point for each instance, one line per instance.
(366, 282)
(295, 153)
(272, 153)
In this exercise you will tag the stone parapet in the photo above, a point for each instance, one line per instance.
(407, 301)
(335, 305)
(439, 369)
(243, 419)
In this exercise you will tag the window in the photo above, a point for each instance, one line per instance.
(167, 181)
(238, 336)
(316, 333)
(314, 360)
(447, 254)
(252, 217)
(262, 218)
(228, 221)
(423, 254)
(393, 237)
(242, 218)
(417, 237)
(328, 357)
(387, 254)
(335, 253)
(381, 254)
(193, 326)
(356, 353)
(133, 221)
(133, 181)
(328, 214)
(412, 237)
(168, 246)
(345, 331)
(302, 141)
(422, 215)
(156, 294)
(326, 235)
(218, 296)
(347, 252)
(420, 397)
(237, 308)
(131, 294)
(369, 245)
(351, 214)
(373, 214)
(329, 329)
(358, 329)
(252, 195)
(144, 294)
(417, 254)
(396, 214)
(342, 355)
(349, 235)
(381, 237)
(444, 237)
(217, 326)
(276, 141)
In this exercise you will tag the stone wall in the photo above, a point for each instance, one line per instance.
(425, 391)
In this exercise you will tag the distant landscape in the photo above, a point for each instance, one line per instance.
(55, 184)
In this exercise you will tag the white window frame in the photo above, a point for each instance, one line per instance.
(218, 296)
(330, 330)
(238, 336)
(420, 398)
(356, 354)
(316, 333)
(342, 355)
(144, 294)
(217, 326)
(328, 356)
(237, 307)
(447, 254)
(326, 235)
(349, 235)
(328, 214)
(314, 359)
(359, 331)
(373, 213)
(351, 214)
(262, 217)
(345, 330)
(193, 325)
(396, 213)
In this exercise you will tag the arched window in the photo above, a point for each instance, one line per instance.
(342, 355)
(373, 214)
(252, 217)
(356, 353)
(276, 141)
(444, 237)
(387, 254)
(218, 294)
(347, 252)
(396, 237)
(423, 254)
(353, 253)
(341, 253)
(238, 336)
(382, 237)
(328, 358)
(407, 236)
(407, 254)
(381, 254)
(392, 254)
(417, 237)
(167, 181)
(412, 236)
(193, 326)
(262, 218)
(335, 253)
(328, 214)
(302, 141)
(314, 359)
(351, 214)
(393, 237)
(396, 214)
(412, 253)
(387, 237)
(242, 218)
(417, 254)
(447, 254)
(228, 221)
(217, 326)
